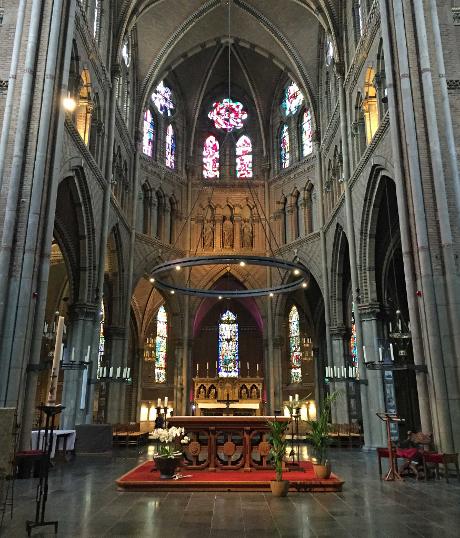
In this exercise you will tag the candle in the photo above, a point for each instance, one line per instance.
(197, 370)
(111, 371)
(104, 374)
(343, 371)
(216, 367)
(128, 373)
(399, 324)
(380, 354)
(364, 353)
(119, 372)
(257, 367)
(391, 351)
(46, 328)
(290, 397)
(408, 325)
(207, 368)
(166, 401)
(159, 402)
(296, 397)
(247, 365)
(88, 353)
(72, 359)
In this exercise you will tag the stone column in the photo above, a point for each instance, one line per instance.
(80, 334)
(340, 410)
(277, 389)
(376, 399)
(115, 337)
(291, 225)
(237, 233)
(302, 217)
(218, 231)
(153, 216)
(167, 224)
(179, 379)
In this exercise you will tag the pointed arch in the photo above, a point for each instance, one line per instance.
(295, 357)
(228, 360)
(244, 157)
(211, 158)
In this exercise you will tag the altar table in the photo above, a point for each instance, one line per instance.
(227, 443)
(62, 440)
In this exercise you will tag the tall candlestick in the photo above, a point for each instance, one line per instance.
(58, 349)
(391, 351)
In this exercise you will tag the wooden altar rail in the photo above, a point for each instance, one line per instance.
(231, 443)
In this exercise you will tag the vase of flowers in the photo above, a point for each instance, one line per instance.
(168, 457)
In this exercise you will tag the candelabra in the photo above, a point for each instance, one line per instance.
(342, 373)
(108, 374)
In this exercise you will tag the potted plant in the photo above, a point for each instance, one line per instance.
(168, 458)
(278, 444)
(318, 437)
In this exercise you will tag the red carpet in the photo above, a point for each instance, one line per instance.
(141, 478)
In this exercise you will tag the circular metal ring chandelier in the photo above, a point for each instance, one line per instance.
(301, 276)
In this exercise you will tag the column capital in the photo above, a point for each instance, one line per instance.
(339, 331)
(114, 332)
(369, 311)
(83, 311)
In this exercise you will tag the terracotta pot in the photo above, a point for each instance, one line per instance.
(279, 488)
(167, 466)
(322, 471)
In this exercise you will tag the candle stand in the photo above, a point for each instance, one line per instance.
(50, 411)
(294, 413)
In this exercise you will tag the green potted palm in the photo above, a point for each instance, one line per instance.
(318, 437)
(278, 444)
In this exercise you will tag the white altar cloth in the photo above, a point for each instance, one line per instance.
(59, 437)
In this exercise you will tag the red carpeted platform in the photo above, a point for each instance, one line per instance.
(142, 478)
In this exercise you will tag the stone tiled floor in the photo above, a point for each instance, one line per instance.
(84, 499)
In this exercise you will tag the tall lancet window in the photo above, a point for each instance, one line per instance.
(101, 350)
(161, 341)
(97, 15)
(211, 158)
(284, 146)
(170, 147)
(149, 133)
(306, 133)
(244, 157)
(228, 363)
(295, 357)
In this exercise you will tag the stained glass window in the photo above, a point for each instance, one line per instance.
(170, 147)
(163, 99)
(228, 345)
(160, 345)
(292, 99)
(126, 53)
(149, 133)
(353, 341)
(284, 146)
(307, 143)
(244, 157)
(228, 115)
(295, 356)
(96, 17)
(211, 158)
(329, 51)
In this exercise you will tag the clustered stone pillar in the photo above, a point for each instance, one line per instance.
(340, 410)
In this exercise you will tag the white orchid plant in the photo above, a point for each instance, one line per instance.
(166, 438)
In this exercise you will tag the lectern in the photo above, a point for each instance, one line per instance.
(388, 418)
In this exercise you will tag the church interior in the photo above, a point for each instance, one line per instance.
(224, 220)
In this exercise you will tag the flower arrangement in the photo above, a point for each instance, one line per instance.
(166, 441)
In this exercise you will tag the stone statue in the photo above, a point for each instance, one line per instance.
(208, 235)
(246, 235)
(202, 394)
(227, 229)
(244, 393)
(212, 393)
(254, 395)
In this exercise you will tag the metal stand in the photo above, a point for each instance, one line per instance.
(42, 489)
(392, 473)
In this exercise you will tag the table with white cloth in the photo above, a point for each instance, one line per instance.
(63, 440)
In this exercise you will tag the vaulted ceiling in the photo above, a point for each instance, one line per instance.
(188, 40)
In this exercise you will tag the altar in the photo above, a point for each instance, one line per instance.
(227, 442)
(228, 396)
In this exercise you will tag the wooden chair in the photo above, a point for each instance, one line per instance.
(436, 459)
